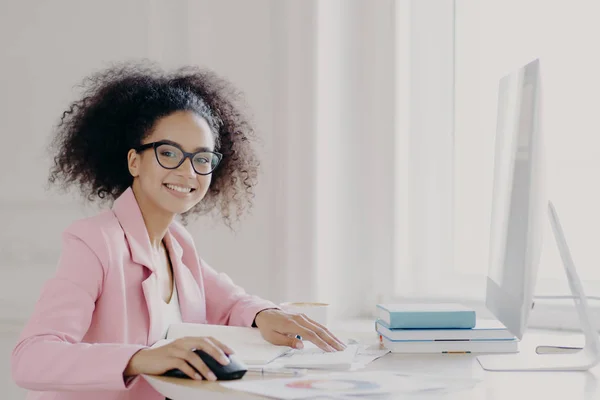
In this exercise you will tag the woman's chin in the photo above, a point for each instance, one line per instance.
(180, 208)
(178, 205)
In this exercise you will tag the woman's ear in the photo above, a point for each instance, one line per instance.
(133, 162)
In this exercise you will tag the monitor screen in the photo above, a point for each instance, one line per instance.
(518, 202)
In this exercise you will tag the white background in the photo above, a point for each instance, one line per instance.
(492, 39)
(376, 122)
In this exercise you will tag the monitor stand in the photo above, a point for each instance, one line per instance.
(573, 360)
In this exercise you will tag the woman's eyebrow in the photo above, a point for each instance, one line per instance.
(197, 149)
(202, 149)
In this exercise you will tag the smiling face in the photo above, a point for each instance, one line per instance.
(157, 179)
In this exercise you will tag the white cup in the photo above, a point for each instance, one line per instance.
(315, 311)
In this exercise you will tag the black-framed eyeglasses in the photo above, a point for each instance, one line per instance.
(170, 156)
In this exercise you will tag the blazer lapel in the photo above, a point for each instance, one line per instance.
(127, 211)
(153, 299)
(130, 217)
(191, 299)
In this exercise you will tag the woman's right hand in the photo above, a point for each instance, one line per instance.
(179, 354)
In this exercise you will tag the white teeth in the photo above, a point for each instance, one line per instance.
(179, 188)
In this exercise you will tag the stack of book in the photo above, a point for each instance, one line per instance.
(440, 328)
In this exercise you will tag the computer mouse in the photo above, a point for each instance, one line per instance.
(236, 369)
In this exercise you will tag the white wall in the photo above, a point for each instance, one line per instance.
(234, 38)
(47, 48)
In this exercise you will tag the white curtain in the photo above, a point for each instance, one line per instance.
(366, 164)
(338, 126)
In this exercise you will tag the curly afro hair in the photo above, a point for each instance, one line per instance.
(118, 109)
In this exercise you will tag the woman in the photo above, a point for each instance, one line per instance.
(156, 146)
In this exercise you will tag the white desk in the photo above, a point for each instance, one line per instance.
(493, 386)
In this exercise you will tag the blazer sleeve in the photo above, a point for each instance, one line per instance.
(50, 355)
(228, 303)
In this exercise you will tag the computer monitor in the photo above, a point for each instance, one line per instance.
(519, 200)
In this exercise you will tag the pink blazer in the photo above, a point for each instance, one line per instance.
(103, 305)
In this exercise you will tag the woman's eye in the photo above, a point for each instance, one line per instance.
(201, 160)
(168, 154)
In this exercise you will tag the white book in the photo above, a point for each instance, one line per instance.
(486, 329)
(247, 343)
(434, 346)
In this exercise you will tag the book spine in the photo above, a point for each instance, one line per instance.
(441, 334)
(383, 315)
(450, 348)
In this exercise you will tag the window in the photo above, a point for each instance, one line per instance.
(455, 54)
(563, 35)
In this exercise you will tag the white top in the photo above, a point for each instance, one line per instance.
(171, 313)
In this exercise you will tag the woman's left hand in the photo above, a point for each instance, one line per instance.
(281, 328)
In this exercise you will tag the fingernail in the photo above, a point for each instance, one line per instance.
(212, 376)
(299, 345)
(197, 377)
(224, 360)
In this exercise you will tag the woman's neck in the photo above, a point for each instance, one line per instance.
(157, 221)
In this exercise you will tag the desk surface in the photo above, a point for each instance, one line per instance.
(494, 385)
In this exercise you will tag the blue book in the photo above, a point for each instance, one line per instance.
(426, 316)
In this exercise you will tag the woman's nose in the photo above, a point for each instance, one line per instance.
(186, 168)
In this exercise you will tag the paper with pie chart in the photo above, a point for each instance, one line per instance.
(334, 385)
(347, 383)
